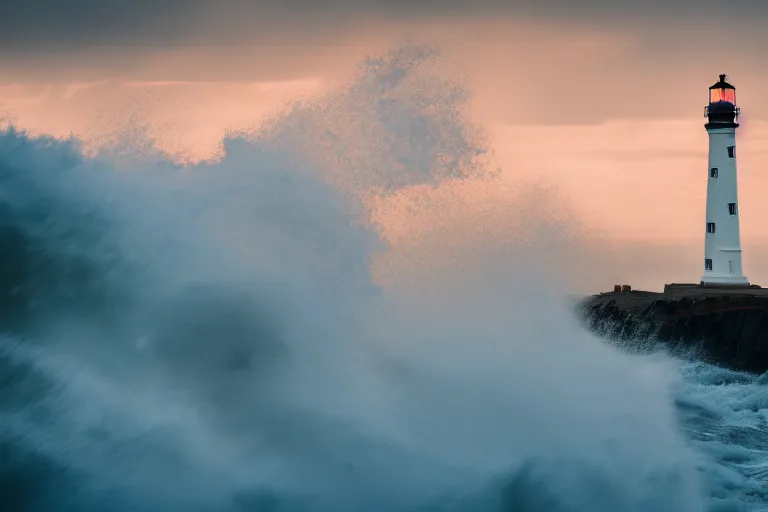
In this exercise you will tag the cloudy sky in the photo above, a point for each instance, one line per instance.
(602, 97)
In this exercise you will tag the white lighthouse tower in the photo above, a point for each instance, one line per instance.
(722, 242)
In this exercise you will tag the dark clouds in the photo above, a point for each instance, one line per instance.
(610, 50)
(60, 25)
(47, 24)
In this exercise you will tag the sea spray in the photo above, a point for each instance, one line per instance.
(210, 338)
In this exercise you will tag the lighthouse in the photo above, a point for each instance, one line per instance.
(722, 241)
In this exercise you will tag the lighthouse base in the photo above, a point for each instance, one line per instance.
(724, 281)
(724, 325)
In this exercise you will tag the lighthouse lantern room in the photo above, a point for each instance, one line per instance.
(722, 242)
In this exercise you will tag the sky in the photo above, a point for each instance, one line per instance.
(602, 98)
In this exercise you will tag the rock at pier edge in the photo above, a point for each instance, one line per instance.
(727, 326)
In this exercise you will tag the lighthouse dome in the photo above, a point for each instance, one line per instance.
(721, 109)
(722, 92)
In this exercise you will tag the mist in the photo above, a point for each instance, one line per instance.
(214, 337)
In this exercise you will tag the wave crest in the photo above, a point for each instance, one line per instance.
(209, 337)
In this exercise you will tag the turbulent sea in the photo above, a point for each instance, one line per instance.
(211, 338)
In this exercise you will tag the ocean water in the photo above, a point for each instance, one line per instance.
(210, 337)
(724, 415)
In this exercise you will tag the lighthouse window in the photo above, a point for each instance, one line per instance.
(710, 227)
(713, 172)
(728, 95)
(708, 264)
(732, 208)
(731, 151)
